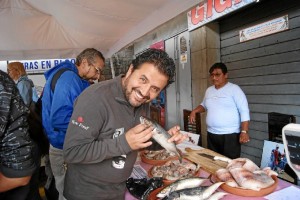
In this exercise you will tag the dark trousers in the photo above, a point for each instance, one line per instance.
(225, 144)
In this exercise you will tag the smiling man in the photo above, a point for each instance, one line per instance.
(101, 157)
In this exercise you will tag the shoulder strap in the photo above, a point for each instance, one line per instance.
(56, 77)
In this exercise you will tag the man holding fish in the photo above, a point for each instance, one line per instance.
(105, 126)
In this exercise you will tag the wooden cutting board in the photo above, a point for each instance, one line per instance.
(201, 157)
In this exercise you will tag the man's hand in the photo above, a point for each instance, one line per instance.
(138, 137)
(11, 183)
(192, 118)
(244, 138)
(177, 136)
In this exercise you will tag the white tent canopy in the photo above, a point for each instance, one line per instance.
(45, 29)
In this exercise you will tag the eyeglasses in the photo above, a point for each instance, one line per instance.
(215, 75)
(99, 70)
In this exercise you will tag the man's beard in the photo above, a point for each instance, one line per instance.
(132, 102)
(130, 93)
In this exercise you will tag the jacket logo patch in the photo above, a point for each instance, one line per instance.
(79, 123)
(118, 162)
(80, 119)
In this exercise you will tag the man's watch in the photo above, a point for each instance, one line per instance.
(244, 131)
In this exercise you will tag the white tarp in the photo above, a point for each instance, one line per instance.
(45, 29)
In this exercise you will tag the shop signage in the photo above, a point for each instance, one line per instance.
(273, 26)
(158, 45)
(40, 66)
(183, 51)
(209, 10)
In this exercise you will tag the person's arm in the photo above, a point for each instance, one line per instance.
(89, 120)
(17, 164)
(243, 108)
(200, 109)
(11, 183)
(244, 136)
(68, 87)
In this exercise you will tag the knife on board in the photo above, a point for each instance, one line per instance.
(214, 158)
(211, 157)
(206, 156)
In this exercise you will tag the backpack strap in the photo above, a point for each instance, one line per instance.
(56, 77)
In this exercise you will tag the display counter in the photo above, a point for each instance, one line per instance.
(283, 186)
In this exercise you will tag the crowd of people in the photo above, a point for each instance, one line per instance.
(87, 128)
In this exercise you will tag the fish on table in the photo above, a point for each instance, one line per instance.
(196, 193)
(173, 170)
(243, 163)
(161, 136)
(225, 176)
(181, 184)
(251, 180)
(246, 174)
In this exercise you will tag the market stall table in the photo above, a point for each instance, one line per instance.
(282, 185)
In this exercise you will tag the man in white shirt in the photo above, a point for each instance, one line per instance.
(227, 114)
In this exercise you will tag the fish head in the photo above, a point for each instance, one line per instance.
(157, 129)
(148, 122)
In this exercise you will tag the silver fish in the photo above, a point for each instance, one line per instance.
(181, 184)
(197, 193)
(161, 136)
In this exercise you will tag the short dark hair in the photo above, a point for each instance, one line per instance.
(218, 65)
(160, 59)
(90, 54)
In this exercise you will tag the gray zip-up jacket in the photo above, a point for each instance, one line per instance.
(98, 156)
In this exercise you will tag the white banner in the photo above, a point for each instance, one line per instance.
(209, 10)
(273, 26)
(40, 66)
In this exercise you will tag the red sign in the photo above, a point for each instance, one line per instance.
(209, 10)
(158, 45)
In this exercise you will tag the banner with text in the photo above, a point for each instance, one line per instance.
(267, 28)
(209, 10)
(40, 66)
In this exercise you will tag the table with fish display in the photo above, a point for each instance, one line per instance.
(210, 162)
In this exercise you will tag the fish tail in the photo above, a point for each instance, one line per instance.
(211, 189)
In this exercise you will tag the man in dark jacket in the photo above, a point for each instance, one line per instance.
(16, 159)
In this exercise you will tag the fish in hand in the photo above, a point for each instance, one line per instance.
(161, 136)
